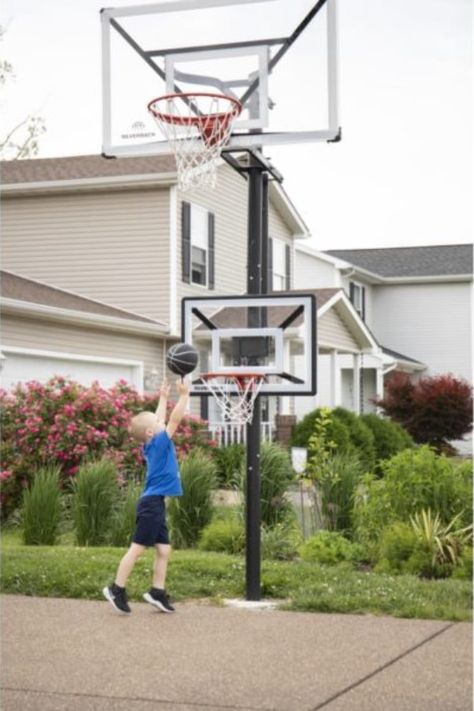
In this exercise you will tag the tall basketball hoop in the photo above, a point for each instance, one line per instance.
(196, 126)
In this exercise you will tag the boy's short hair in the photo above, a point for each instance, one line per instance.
(140, 423)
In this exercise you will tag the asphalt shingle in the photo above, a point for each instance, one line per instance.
(437, 260)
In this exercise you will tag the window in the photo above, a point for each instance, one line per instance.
(197, 245)
(280, 265)
(357, 297)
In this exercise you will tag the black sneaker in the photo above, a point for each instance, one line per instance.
(117, 597)
(159, 599)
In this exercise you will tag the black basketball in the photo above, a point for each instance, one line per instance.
(182, 358)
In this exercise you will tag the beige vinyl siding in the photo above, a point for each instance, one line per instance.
(63, 338)
(314, 273)
(332, 331)
(228, 202)
(112, 246)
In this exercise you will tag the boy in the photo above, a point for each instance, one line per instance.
(162, 479)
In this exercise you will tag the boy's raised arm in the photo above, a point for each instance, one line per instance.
(161, 409)
(180, 407)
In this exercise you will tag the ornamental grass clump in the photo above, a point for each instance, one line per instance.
(276, 474)
(124, 516)
(96, 494)
(41, 511)
(191, 512)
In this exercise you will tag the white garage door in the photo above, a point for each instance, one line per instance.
(21, 365)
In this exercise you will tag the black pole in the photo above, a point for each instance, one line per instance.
(254, 286)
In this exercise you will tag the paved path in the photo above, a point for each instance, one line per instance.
(71, 655)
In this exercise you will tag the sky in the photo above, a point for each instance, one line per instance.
(401, 176)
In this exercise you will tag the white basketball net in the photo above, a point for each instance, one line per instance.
(235, 395)
(196, 126)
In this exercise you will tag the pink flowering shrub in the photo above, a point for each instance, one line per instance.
(64, 423)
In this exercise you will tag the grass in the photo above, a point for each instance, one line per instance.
(69, 571)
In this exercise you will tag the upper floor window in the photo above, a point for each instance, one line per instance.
(357, 297)
(280, 265)
(197, 245)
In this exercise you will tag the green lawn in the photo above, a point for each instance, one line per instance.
(69, 571)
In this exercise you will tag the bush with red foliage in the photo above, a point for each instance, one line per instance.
(433, 410)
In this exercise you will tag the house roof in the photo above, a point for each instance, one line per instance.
(437, 260)
(399, 356)
(39, 170)
(21, 288)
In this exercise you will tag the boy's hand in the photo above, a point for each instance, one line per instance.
(165, 389)
(182, 386)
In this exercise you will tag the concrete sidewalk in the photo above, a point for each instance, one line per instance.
(77, 655)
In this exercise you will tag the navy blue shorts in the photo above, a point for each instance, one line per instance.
(151, 525)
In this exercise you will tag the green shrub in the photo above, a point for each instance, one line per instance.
(191, 512)
(412, 480)
(337, 431)
(230, 465)
(224, 535)
(276, 474)
(463, 571)
(329, 548)
(360, 435)
(398, 544)
(281, 541)
(389, 437)
(96, 493)
(42, 508)
(124, 517)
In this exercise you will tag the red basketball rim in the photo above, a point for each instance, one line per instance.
(219, 117)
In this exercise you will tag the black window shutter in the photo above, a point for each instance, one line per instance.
(186, 241)
(287, 267)
(270, 265)
(351, 291)
(211, 250)
(362, 300)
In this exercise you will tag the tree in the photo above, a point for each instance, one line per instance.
(434, 410)
(22, 140)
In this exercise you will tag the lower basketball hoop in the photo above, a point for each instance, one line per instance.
(235, 394)
(196, 126)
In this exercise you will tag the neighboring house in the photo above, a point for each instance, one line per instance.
(416, 301)
(48, 331)
(99, 253)
(118, 235)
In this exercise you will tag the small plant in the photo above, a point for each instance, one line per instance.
(95, 497)
(124, 517)
(42, 508)
(445, 543)
(224, 535)
(191, 512)
(399, 542)
(329, 548)
(281, 541)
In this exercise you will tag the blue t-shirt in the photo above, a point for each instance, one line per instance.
(162, 471)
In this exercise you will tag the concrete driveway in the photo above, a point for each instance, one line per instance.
(78, 655)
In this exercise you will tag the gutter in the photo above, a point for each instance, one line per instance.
(82, 318)
(117, 181)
